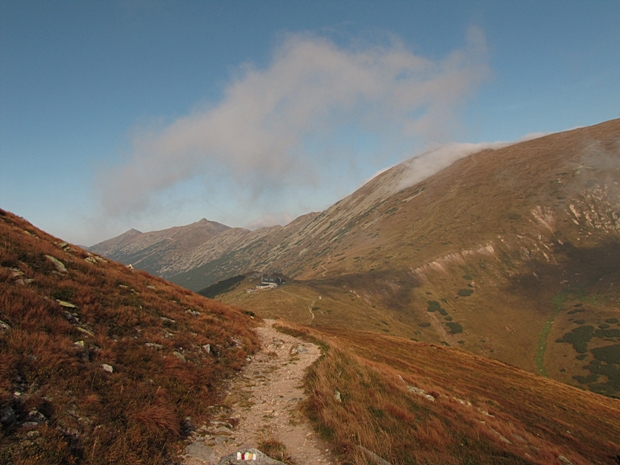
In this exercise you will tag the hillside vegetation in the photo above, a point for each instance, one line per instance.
(415, 403)
(100, 363)
(510, 253)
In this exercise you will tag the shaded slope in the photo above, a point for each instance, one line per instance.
(99, 363)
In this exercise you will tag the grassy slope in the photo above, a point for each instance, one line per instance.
(484, 412)
(516, 227)
(64, 325)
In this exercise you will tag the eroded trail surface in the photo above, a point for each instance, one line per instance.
(263, 405)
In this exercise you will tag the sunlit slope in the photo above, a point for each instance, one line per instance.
(503, 253)
(415, 403)
(100, 363)
(157, 251)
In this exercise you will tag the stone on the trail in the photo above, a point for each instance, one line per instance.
(220, 431)
(201, 451)
(107, 368)
(261, 459)
(298, 349)
(60, 266)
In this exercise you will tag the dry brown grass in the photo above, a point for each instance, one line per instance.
(276, 450)
(484, 412)
(51, 357)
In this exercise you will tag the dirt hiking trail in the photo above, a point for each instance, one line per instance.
(263, 405)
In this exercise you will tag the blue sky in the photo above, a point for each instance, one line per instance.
(150, 114)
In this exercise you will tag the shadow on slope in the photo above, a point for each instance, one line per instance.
(583, 289)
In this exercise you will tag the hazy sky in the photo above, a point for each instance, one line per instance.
(149, 114)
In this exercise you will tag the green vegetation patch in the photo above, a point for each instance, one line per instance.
(611, 371)
(433, 306)
(609, 354)
(579, 338)
(454, 327)
(611, 320)
(577, 310)
(591, 378)
(603, 333)
(579, 322)
(465, 292)
(424, 325)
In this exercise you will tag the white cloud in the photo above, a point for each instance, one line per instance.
(434, 160)
(270, 219)
(282, 126)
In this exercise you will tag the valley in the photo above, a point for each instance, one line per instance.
(469, 317)
(492, 253)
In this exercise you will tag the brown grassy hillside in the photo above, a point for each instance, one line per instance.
(100, 363)
(415, 403)
(509, 253)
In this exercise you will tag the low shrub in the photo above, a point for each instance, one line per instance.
(609, 354)
(454, 327)
(579, 338)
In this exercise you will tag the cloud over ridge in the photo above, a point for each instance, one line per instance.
(282, 125)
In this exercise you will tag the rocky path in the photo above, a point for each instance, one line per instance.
(263, 405)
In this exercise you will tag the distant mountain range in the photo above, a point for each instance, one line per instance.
(159, 251)
(510, 252)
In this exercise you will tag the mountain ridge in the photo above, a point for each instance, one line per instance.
(155, 251)
(505, 252)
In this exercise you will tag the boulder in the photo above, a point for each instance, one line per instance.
(60, 266)
(201, 451)
(247, 456)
